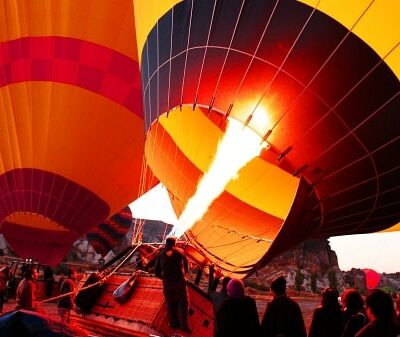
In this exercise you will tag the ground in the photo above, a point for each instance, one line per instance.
(307, 304)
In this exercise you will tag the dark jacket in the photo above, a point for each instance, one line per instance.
(326, 322)
(26, 295)
(380, 328)
(238, 317)
(67, 286)
(354, 324)
(171, 264)
(283, 318)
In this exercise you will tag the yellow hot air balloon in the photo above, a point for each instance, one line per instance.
(72, 131)
(317, 80)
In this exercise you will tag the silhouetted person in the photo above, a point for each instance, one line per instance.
(49, 279)
(354, 315)
(26, 291)
(139, 262)
(4, 275)
(171, 266)
(327, 320)
(237, 315)
(381, 314)
(66, 303)
(283, 316)
(217, 297)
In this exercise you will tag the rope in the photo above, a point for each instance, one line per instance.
(103, 278)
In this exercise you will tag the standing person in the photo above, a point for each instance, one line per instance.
(26, 291)
(171, 266)
(66, 303)
(4, 273)
(283, 316)
(237, 315)
(327, 320)
(381, 314)
(217, 297)
(354, 315)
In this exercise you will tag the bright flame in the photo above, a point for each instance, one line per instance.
(239, 145)
(260, 120)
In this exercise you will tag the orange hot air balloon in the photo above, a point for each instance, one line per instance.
(72, 130)
(318, 80)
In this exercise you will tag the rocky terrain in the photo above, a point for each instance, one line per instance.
(315, 266)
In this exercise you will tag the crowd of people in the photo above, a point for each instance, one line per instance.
(235, 313)
(237, 316)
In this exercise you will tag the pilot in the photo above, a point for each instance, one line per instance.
(171, 266)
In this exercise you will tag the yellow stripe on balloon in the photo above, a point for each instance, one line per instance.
(147, 13)
(105, 22)
(394, 228)
(75, 133)
(375, 22)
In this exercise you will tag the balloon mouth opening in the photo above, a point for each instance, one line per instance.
(229, 152)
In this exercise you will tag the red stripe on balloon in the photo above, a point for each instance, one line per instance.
(72, 61)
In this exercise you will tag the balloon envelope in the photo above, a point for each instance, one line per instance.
(372, 278)
(71, 118)
(311, 78)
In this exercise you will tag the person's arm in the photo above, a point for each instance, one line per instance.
(157, 266)
(185, 263)
(30, 295)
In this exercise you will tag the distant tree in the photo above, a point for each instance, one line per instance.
(332, 279)
(298, 280)
(314, 282)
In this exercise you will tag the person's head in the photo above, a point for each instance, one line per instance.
(330, 298)
(235, 288)
(72, 274)
(379, 305)
(352, 300)
(225, 282)
(31, 274)
(170, 242)
(278, 286)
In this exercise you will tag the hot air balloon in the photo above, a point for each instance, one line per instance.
(110, 233)
(317, 80)
(372, 278)
(72, 130)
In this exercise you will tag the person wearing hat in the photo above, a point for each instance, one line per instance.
(283, 316)
(237, 315)
(171, 266)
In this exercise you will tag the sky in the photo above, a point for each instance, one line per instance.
(378, 251)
